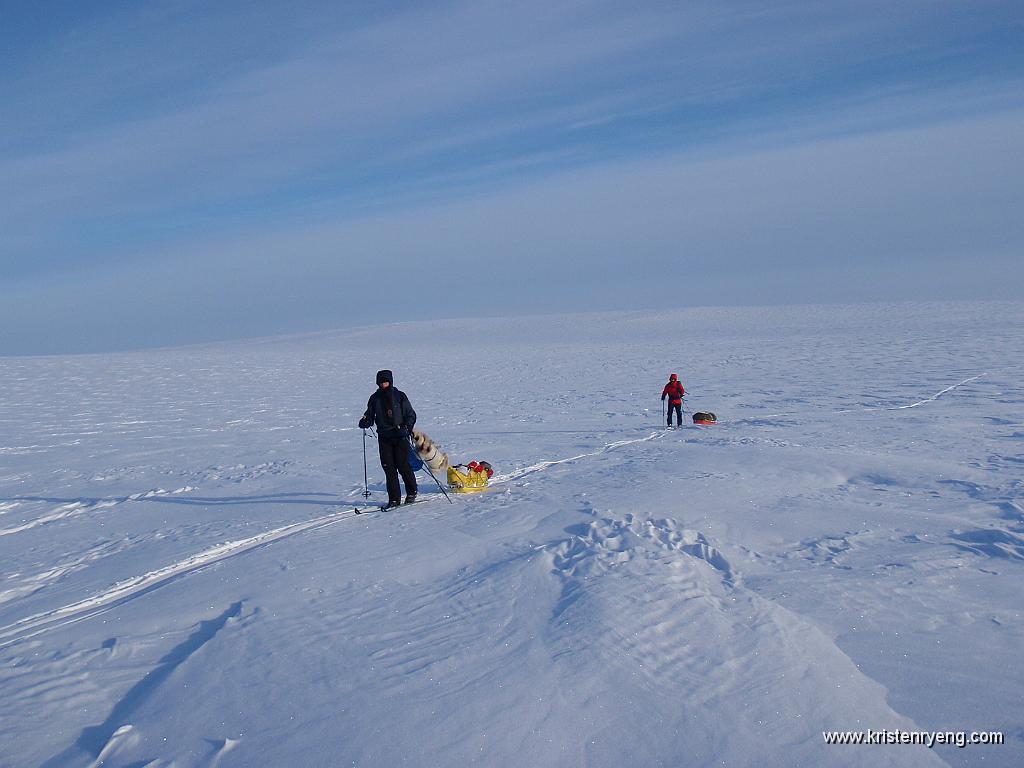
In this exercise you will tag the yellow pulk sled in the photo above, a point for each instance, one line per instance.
(473, 479)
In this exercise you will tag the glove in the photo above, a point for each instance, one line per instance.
(365, 423)
(403, 432)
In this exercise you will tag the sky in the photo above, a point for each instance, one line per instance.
(182, 172)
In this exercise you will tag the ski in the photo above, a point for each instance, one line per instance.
(386, 508)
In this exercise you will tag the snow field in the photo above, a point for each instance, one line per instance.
(184, 581)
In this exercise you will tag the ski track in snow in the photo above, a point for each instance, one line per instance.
(542, 465)
(931, 399)
(75, 508)
(1005, 543)
(238, 473)
(917, 404)
(132, 587)
(65, 566)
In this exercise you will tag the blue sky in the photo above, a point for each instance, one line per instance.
(188, 171)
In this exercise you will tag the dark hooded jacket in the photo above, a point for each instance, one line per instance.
(389, 409)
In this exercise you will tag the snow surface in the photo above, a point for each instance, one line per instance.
(184, 581)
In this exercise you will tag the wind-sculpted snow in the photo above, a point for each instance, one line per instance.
(184, 580)
(700, 645)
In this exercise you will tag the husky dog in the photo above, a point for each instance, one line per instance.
(429, 451)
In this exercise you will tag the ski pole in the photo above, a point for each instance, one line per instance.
(663, 409)
(366, 481)
(438, 484)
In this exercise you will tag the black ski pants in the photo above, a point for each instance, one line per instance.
(679, 414)
(394, 460)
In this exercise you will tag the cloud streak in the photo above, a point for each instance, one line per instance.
(898, 215)
(253, 140)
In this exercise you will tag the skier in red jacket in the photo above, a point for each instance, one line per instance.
(674, 392)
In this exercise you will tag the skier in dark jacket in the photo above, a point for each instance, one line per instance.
(390, 410)
(674, 392)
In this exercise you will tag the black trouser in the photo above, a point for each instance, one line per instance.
(394, 460)
(678, 408)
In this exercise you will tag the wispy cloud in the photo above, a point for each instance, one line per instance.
(147, 133)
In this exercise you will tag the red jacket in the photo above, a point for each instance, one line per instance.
(674, 391)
